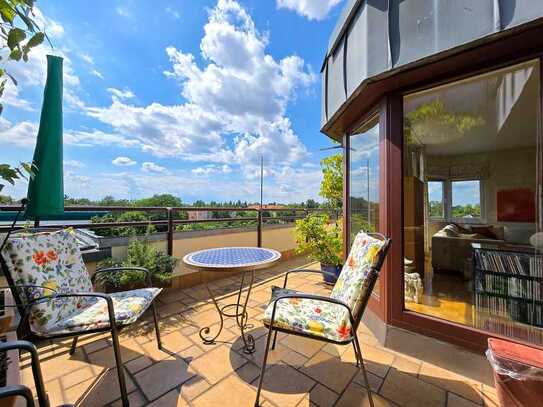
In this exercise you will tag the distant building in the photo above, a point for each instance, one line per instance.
(199, 215)
(268, 207)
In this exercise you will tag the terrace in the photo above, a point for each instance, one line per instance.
(409, 370)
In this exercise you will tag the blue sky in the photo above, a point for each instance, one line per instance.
(181, 97)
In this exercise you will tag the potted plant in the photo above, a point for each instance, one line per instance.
(321, 241)
(140, 254)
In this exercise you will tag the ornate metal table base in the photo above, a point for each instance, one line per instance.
(239, 312)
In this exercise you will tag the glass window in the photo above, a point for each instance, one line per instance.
(466, 199)
(435, 199)
(471, 181)
(364, 180)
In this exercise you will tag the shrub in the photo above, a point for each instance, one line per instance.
(319, 239)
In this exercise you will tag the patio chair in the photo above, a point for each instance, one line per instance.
(8, 392)
(333, 319)
(55, 296)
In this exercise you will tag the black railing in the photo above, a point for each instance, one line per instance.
(170, 221)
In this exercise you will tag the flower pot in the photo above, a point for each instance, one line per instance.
(328, 268)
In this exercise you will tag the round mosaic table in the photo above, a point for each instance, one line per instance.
(232, 259)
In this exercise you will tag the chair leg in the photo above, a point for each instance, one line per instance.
(358, 350)
(119, 363)
(264, 361)
(274, 340)
(356, 354)
(157, 331)
(74, 345)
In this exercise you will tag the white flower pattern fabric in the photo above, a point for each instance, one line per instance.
(307, 316)
(53, 260)
(326, 319)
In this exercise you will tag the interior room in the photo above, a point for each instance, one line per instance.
(472, 158)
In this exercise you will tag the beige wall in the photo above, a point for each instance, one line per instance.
(280, 238)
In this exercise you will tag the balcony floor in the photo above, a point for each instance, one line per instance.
(302, 372)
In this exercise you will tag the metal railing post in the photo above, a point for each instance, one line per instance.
(170, 231)
(259, 229)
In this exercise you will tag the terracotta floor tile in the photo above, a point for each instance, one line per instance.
(138, 364)
(305, 346)
(330, 371)
(274, 356)
(106, 358)
(136, 399)
(163, 376)
(98, 391)
(408, 391)
(175, 342)
(447, 380)
(170, 399)
(456, 401)
(357, 396)
(293, 358)
(248, 372)
(322, 397)
(406, 365)
(193, 387)
(375, 381)
(217, 363)
(284, 385)
(231, 391)
(96, 345)
(377, 360)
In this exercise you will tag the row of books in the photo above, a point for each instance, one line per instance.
(508, 328)
(528, 313)
(509, 263)
(503, 285)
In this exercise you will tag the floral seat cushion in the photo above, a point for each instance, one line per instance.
(128, 307)
(51, 260)
(357, 273)
(308, 316)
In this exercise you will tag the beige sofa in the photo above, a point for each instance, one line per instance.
(452, 251)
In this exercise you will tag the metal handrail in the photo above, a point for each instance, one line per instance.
(170, 220)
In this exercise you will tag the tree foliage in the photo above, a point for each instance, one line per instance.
(319, 239)
(19, 33)
(332, 180)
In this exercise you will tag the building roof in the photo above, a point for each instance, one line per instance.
(374, 39)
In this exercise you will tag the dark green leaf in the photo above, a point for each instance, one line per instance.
(7, 11)
(15, 36)
(36, 39)
(16, 54)
(30, 24)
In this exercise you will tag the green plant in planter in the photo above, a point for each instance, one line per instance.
(140, 254)
(319, 239)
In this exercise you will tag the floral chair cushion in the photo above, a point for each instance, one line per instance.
(52, 260)
(356, 273)
(128, 306)
(308, 316)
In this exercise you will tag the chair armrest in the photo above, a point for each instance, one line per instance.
(17, 390)
(305, 271)
(36, 369)
(123, 269)
(311, 297)
(106, 297)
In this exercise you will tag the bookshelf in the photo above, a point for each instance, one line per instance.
(508, 291)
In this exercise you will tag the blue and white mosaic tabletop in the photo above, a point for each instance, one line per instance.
(232, 257)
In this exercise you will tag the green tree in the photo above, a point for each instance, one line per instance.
(19, 33)
(160, 200)
(332, 181)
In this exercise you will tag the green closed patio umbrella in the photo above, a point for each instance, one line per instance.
(46, 188)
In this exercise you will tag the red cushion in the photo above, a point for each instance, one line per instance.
(516, 352)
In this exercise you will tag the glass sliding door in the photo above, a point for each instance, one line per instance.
(364, 180)
(472, 150)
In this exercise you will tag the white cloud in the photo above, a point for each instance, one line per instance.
(97, 73)
(212, 169)
(155, 168)
(51, 27)
(123, 161)
(74, 164)
(22, 134)
(121, 94)
(123, 12)
(312, 9)
(173, 12)
(87, 58)
(235, 106)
